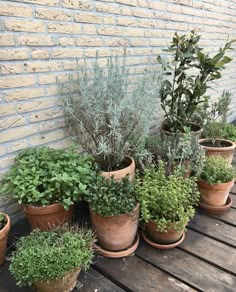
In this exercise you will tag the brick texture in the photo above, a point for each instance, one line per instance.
(42, 40)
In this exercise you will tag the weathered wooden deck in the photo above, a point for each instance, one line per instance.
(205, 261)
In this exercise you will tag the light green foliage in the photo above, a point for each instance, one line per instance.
(43, 176)
(187, 78)
(107, 114)
(109, 197)
(229, 132)
(216, 170)
(43, 256)
(3, 221)
(167, 200)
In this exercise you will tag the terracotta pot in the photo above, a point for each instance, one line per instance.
(227, 151)
(3, 238)
(65, 284)
(47, 218)
(186, 165)
(115, 232)
(196, 130)
(170, 236)
(214, 195)
(119, 174)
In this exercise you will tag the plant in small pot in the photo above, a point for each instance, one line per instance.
(114, 212)
(51, 261)
(167, 204)
(109, 114)
(4, 230)
(188, 75)
(215, 182)
(46, 182)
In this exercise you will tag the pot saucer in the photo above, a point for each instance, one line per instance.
(218, 209)
(160, 245)
(118, 254)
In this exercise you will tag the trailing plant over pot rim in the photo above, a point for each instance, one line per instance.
(5, 225)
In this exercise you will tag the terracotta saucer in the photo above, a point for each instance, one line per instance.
(160, 245)
(118, 254)
(217, 210)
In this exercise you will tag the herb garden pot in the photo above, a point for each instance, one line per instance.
(220, 147)
(196, 130)
(186, 166)
(214, 195)
(65, 284)
(129, 171)
(48, 217)
(3, 238)
(116, 233)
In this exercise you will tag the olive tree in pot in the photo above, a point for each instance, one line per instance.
(114, 212)
(215, 182)
(51, 261)
(167, 204)
(188, 76)
(4, 230)
(109, 114)
(46, 182)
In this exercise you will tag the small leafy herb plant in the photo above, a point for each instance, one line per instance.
(43, 176)
(3, 221)
(216, 170)
(42, 256)
(167, 200)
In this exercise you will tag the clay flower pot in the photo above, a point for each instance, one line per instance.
(3, 238)
(168, 237)
(227, 150)
(119, 174)
(115, 233)
(48, 217)
(196, 130)
(214, 195)
(65, 284)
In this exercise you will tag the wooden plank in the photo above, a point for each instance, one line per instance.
(136, 275)
(228, 217)
(210, 250)
(188, 268)
(214, 228)
(94, 281)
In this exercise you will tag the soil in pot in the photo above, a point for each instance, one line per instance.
(48, 217)
(4, 237)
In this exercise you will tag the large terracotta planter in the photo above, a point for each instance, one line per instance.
(3, 239)
(196, 130)
(168, 237)
(227, 151)
(214, 195)
(127, 171)
(47, 218)
(65, 284)
(115, 233)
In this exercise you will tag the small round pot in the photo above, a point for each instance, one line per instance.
(227, 151)
(214, 195)
(3, 238)
(48, 217)
(168, 237)
(65, 284)
(121, 173)
(115, 233)
(196, 130)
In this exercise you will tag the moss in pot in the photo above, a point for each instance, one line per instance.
(167, 204)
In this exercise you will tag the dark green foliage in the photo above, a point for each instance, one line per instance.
(187, 78)
(3, 221)
(167, 200)
(109, 197)
(43, 256)
(216, 170)
(43, 176)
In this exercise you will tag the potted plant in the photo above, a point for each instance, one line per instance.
(51, 261)
(114, 212)
(4, 230)
(46, 182)
(167, 205)
(216, 180)
(187, 78)
(109, 114)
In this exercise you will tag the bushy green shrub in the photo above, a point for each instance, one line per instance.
(49, 255)
(43, 176)
(109, 197)
(216, 170)
(167, 200)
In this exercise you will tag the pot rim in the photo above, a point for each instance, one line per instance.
(128, 169)
(217, 149)
(205, 184)
(4, 231)
(179, 133)
(31, 209)
(168, 230)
